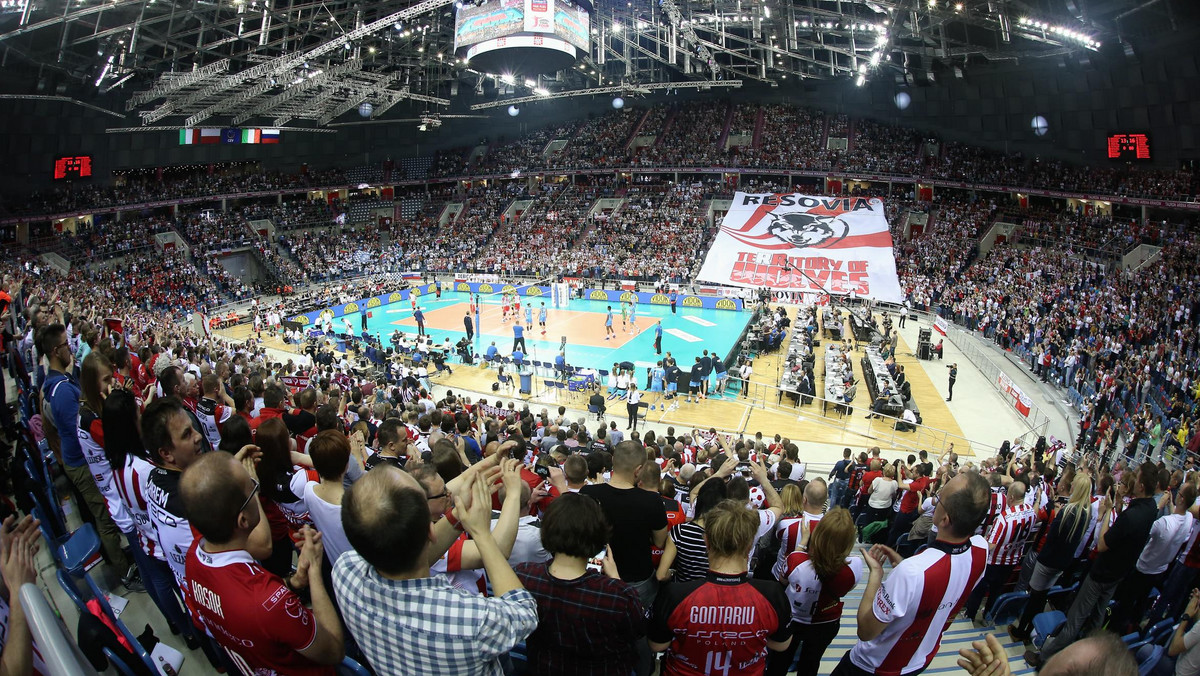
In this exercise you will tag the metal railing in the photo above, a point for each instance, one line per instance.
(1037, 420)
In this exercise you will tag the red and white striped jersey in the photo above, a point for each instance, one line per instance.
(1009, 533)
(916, 603)
(130, 482)
(789, 535)
(1088, 542)
(815, 601)
(998, 502)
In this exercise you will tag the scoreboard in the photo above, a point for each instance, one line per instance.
(1126, 147)
(79, 166)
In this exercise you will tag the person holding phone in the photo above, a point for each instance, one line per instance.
(588, 621)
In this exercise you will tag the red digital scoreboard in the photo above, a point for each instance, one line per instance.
(79, 166)
(1125, 147)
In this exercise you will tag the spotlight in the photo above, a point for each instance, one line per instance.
(1039, 125)
(514, 111)
(902, 100)
(618, 103)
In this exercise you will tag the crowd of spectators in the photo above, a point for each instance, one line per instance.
(386, 477)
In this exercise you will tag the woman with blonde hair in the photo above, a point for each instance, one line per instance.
(1066, 531)
(819, 573)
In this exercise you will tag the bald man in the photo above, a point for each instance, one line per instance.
(1006, 545)
(253, 614)
(1103, 652)
(404, 620)
(815, 495)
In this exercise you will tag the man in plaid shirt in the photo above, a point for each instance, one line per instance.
(406, 622)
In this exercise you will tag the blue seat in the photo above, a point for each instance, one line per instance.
(1060, 597)
(596, 411)
(69, 585)
(1007, 608)
(349, 667)
(1148, 657)
(1045, 624)
(1161, 629)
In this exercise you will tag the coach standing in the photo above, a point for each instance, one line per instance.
(469, 326)
(953, 377)
(519, 337)
(901, 622)
(657, 337)
(420, 318)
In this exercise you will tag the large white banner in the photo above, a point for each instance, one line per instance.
(804, 243)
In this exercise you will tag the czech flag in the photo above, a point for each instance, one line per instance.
(270, 136)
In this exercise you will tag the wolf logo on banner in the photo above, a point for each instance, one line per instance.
(805, 230)
(838, 245)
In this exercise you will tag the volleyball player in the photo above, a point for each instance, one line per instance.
(542, 318)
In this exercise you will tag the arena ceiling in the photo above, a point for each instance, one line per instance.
(309, 62)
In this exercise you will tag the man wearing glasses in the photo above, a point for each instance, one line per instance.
(253, 614)
(61, 395)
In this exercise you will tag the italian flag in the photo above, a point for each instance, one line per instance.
(188, 137)
(251, 136)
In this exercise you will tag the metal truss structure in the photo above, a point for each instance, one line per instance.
(269, 62)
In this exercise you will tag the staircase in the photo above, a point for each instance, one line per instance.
(728, 122)
(636, 128)
(759, 120)
(666, 125)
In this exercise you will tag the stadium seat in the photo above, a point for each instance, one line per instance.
(1060, 597)
(1008, 607)
(349, 667)
(1148, 657)
(595, 410)
(1160, 630)
(69, 586)
(1045, 624)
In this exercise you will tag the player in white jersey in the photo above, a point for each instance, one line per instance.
(901, 621)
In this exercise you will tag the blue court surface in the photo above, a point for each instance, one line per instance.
(686, 334)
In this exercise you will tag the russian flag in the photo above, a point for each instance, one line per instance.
(270, 135)
(188, 137)
(251, 136)
(210, 135)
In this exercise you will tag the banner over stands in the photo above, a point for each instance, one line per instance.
(793, 242)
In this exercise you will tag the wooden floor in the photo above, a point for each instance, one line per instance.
(760, 412)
